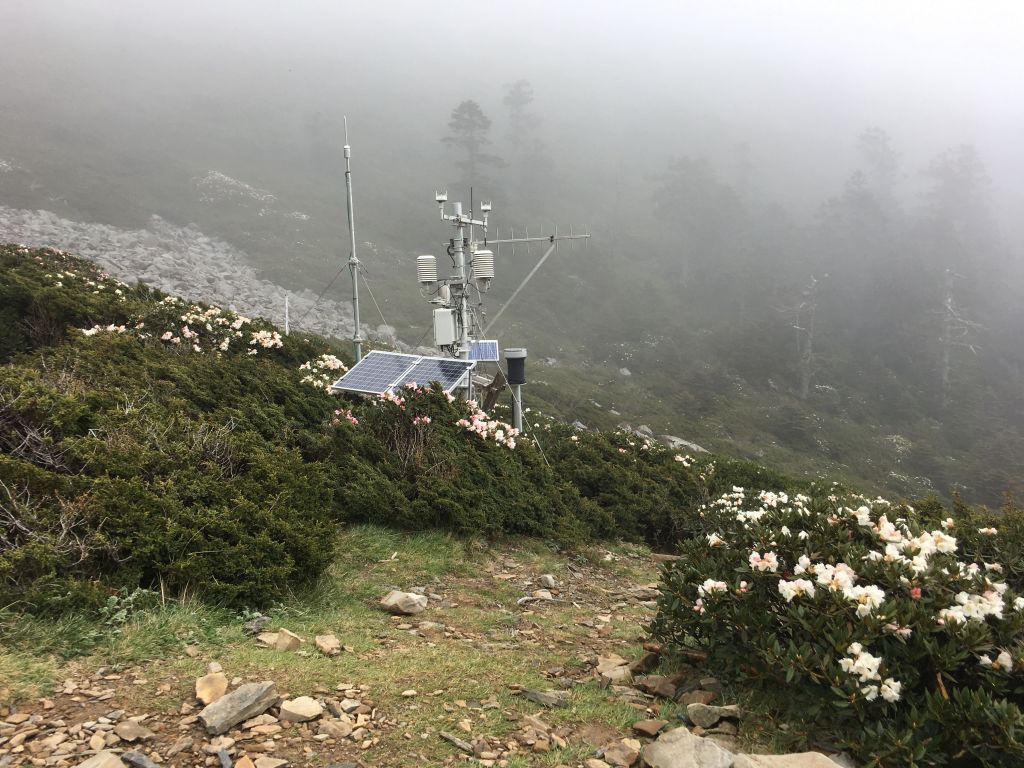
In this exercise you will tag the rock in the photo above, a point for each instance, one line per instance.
(242, 703)
(245, 762)
(616, 676)
(657, 685)
(647, 592)
(649, 727)
(328, 645)
(707, 716)
(104, 759)
(131, 731)
(796, 760)
(465, 746)
(301, 709)
(679, 748)
(542, 594)
(593, 762)
(211, 687)
(696, 697)
(270, 762)
(256, 625)
(336, 729)
(409, 693)
(403, 603)
(185, 742)
(623, 754)
(268, 639)
(546, 698)
(138, 759)
(711, 684)
(547, 580)
(725, 728)
(645, 663)
(287, 641)
(611, 661)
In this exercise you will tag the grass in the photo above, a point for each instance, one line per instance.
(495, 645)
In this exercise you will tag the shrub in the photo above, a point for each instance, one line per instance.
(900, 639)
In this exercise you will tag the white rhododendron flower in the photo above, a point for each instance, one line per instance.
(766, 562)
(795, 588)
(867, 598)
(890, 689)
(711, 586)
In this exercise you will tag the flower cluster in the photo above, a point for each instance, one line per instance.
(489, 429)
(323, 372)
(865, 667)
(847, 597)
(344, 414)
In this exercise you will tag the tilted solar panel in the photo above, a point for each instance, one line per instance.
(376, 373)
(447, 371)
(484, 350)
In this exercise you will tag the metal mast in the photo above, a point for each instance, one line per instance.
(353, 262)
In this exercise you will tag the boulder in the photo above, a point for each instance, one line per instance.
(623, 754)
(679, 748)
(403, 603)
(242, 703)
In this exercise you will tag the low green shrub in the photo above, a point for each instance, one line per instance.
(891, 631)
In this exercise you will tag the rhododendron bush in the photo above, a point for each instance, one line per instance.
(899, 637)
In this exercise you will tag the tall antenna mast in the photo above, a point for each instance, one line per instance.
(353, 262)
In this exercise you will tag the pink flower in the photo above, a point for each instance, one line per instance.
(915, 593)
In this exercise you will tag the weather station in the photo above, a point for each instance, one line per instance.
(459, 319)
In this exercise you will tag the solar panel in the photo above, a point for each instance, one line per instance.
(447, 371)
(484, 350)
(376, 373)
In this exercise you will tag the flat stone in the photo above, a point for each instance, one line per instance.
(546, 698)
(616, 676)
(649, 727)
(244, 762)
(336, 729)
(706, 715)
(611, 661)
(679, 748)
(796, 760)
(268, 639)
(696, 697)
(131, 731)
(185, 742)
(244, 702)
(657, 685)
(270, 762)
(403, 603)
(103, 760)
(287, 641)
(593, 762)
(623, 754)
(211, 687)
(543, 594)
(138, 759)
(300, 710)
(328, 645)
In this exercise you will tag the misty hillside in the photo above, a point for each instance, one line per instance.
(804, 249)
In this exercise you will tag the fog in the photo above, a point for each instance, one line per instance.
(113, 111)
